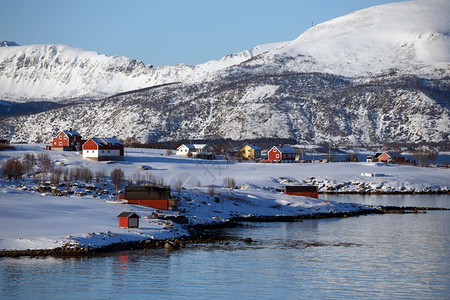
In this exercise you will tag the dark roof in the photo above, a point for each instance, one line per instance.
(301, 189)
(71, 133)
(107, 141)
(254, 147)
(128, 214)
(285, 149)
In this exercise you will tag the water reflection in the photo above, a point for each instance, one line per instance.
(375, 256)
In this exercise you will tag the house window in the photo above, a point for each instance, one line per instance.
(108, 151)
(65, 137)
(60, 143)
(103, 151)
(60, 137)
(277, 156)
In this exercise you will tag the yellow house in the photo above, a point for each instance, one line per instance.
(250, 151)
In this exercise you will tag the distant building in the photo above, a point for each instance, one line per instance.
(281, 153)
(389, 157)
(195, 150)
(103, 149)
(250, 151)
(67, 140)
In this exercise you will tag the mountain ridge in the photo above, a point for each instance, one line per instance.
(333, 94)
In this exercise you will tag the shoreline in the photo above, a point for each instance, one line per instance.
(432, 192)
(200, 234)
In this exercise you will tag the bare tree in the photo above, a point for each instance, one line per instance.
(178, 185)
(45, 163)
(117, 177)
(12, 168)
(55, 177)
(211, 190)
(424, 154)
(28, 161)
(229, 182)
(86, 175)
(100, 176)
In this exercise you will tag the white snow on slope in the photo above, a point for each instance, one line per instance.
(412, 36)
(406, 37)
(55, 72)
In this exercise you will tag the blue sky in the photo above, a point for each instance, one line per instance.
(166, 32)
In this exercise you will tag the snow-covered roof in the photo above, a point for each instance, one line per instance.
(107, 141)
(285, 149)
(194, 146)
(254, 147)
(71, 133)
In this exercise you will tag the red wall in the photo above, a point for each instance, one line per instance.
(272, 155)
(90, 145)
(304, 194)
(123, 222)
(161, 204)
(56, 141)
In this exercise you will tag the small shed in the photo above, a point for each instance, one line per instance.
(128, 220)
(302, 190)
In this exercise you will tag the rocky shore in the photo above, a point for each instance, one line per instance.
(201, 234)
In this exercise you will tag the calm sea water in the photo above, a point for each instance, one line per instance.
(367, 257)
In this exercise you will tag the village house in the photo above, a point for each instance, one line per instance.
(250, 151)
(103, 149)
(389, 157)
(195, 150)
(67, 140)
(281, 153)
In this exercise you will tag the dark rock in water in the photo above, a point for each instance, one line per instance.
(248, 240)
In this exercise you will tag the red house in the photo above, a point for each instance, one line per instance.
(305, 190)
(281, 153)
(128, 220)
(103, 149)
(68, 140)
(389, 157)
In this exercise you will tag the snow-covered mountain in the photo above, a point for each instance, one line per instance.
(8, 43)
(60, 73)
(376, 75)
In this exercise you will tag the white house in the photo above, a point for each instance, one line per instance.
(103, 149)
(192, 149)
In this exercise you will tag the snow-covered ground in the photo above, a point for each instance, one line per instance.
(35, 220)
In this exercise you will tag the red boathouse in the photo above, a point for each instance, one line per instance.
(305, 191)
(152, 196)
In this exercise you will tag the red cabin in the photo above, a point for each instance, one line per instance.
(128, 220)
(281, 153)
(68, 140)
(305, 191)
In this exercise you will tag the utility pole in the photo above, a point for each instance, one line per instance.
(329, 154)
